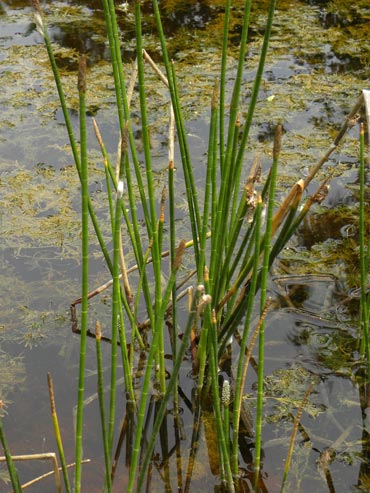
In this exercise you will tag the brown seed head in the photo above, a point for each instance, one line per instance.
(179, 253)
(277, 141)
(82, 75)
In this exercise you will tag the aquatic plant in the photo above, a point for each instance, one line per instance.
(364, 260)
(231, 249)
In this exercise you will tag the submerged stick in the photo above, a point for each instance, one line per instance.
(13, 474)
(294, 434)
(43, 476)
(48, 455)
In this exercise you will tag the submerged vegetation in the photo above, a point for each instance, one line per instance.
(194, 309)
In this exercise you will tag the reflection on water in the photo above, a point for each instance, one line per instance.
(310, 335)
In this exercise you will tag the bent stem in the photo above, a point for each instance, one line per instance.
(297, 420)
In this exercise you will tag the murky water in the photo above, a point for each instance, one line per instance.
(316, 69)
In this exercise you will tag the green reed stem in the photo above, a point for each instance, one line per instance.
(236, 185)
(132, 226)
(264, 280)
(135, 237)
(364, 309)
(236, 168)
(171, 192)
(100, 371)
(109, 174)
(211, 164)
(191, 191)
(85, 267)
(43, 31)
(223, 82)
(125, 128)
(238, 306)
(121, 97)
(294, 222)
(160, 354)
(13, 474)
(228, 169)
(140, 282)
(247, 260)
(172, 214)
(143, 116)
(147, 374)
(114, 45)
(116, 320)
(202, 350)
(194, 441)
(256, 85)
(234, 106)
(110, 197)
(57, 434)
(161, 219)
(106, 173)
(127, 365)
(170, 387)
(234, 240)
(213, 365)
(239, 381)
(233, 182)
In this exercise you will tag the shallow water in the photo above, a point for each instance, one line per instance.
(310, 83)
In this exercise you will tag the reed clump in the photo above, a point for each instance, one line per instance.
(235, 234)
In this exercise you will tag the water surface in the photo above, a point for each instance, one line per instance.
(315, 71)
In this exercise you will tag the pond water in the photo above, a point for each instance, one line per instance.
(318, 64)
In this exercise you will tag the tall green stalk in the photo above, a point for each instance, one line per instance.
(100, 371)
(170, 385)
(126, 130)
(223, 446)
(143, 115)
(239, 382)
(149, 366)
(264, 279)
(116, 319)
(85, 266)
(172, 214)
(364, 260)
(211, 164)
(257, 83)
(152, 227)
(192, 196)
(231, 170)
(9, 461)
(57, 434)
(43, 32)
(234, 106)
(223, 82)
